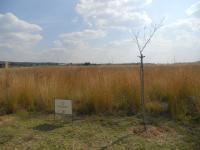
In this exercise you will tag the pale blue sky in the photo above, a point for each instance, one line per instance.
(94, 30)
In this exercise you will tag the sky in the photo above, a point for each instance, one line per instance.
(99, 31)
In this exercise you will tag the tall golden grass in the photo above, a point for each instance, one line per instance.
(103, 89)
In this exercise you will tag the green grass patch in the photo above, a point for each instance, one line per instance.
(95, 132)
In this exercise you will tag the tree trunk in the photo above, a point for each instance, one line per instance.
(142, 90)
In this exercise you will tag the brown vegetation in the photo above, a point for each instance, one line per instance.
(172, 89)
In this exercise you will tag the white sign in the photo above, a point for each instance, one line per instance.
(63, 106)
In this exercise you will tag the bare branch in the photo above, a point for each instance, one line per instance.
(144, 37)
(155, 28)
(136, 39)
(137, 42)
(150, 37)
(143, 41)
(132, 36)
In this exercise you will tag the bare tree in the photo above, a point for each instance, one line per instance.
(142, 40)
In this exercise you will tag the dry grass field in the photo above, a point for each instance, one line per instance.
(115, 89)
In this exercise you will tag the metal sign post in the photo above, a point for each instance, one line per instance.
(64, 107)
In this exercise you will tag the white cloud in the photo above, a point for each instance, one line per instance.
(17, 34)
(74, 47)
(79, 40)
(179, 39)
(113, 13)
(84, 35)
(18, 41)
(194, 10)
(10, 23)
(183, 25)
(183, 48)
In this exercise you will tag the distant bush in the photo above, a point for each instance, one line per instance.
(87, 63)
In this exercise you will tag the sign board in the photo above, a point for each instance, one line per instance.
(63, 106)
